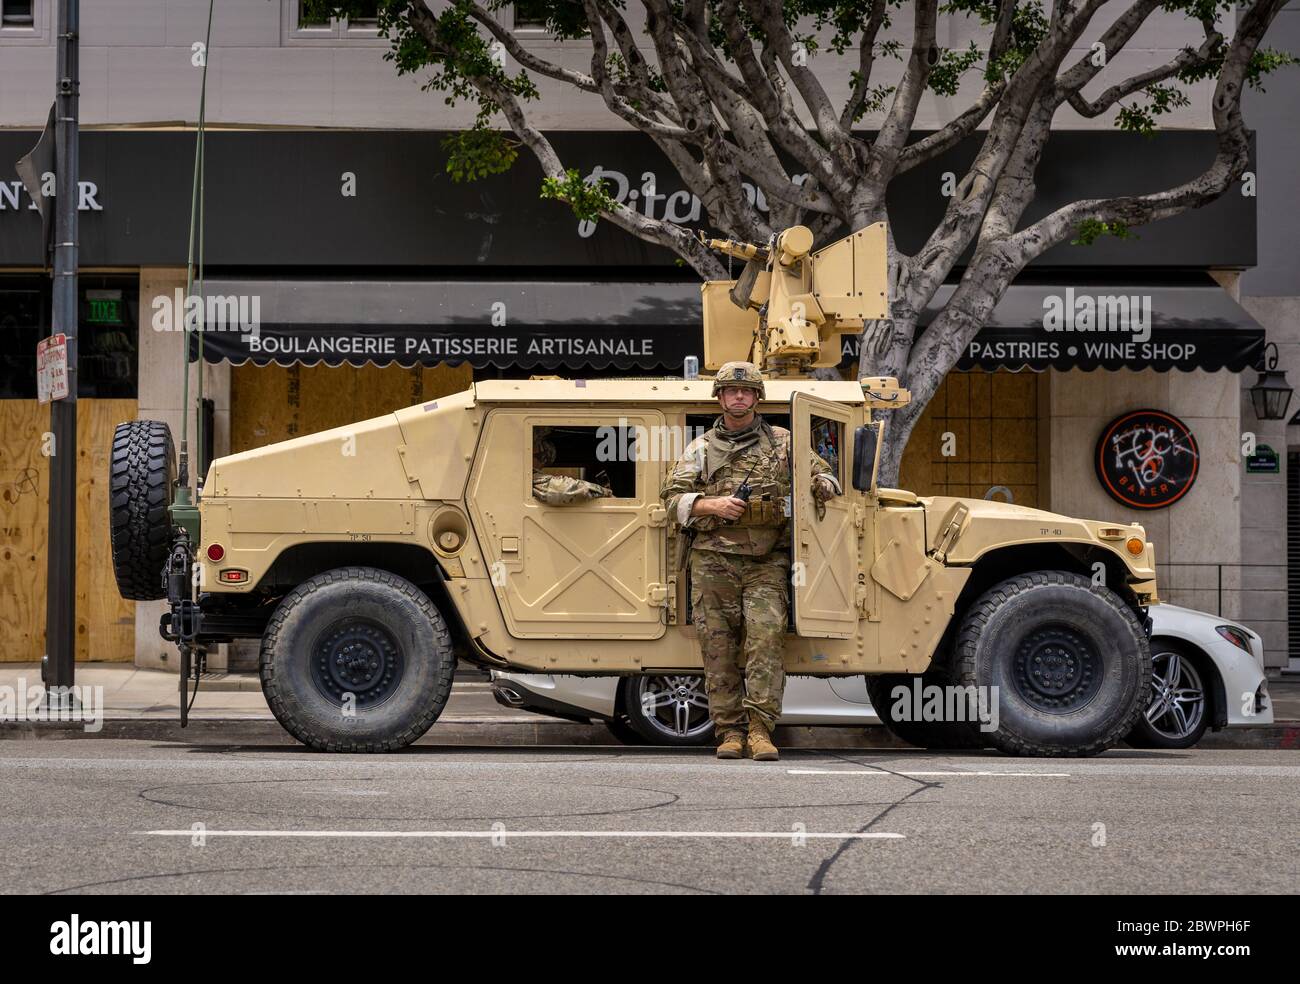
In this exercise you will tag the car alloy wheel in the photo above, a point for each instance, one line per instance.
(675, 707)
(1177, 696)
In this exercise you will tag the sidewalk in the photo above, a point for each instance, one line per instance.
(230, 707)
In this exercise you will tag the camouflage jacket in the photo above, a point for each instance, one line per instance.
(716, 464)
(560, 490)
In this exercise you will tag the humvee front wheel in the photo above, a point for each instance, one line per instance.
(357, 660)
(1071, 663)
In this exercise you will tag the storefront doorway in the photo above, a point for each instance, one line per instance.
(107, 395)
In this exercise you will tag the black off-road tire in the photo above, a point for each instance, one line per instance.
(936, 735)
(142, 472)
(1071, 662)
(364, 632)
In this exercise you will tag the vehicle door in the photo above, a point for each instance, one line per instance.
(592, 569)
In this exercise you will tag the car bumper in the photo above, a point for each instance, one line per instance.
(1244, 684)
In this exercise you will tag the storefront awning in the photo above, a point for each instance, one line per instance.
(545, 326)
(1108, 327)
(529, 325)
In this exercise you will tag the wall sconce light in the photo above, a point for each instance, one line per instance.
(1271, 394)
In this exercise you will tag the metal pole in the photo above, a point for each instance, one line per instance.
(61, 574)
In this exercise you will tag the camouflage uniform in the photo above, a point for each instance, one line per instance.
(559, 490)
(740, 570)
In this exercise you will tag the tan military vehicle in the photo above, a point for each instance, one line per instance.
(368, 559)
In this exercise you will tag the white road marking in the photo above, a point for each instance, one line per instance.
(914, 772)
(506, 834)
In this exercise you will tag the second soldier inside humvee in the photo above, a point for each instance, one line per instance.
(559, 490)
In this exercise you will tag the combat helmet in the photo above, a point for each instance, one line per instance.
(739, 374)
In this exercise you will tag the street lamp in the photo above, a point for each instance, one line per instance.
(1271, 394)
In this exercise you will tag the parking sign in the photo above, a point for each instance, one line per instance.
(52, 368)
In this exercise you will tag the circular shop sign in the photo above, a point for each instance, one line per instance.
(1147, 459)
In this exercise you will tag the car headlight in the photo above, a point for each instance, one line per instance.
(1235, 636)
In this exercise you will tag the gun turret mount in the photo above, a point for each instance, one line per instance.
(789, 306)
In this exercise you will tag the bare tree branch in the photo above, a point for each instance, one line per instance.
(1185, 59)
(768, 14)
(920, 63)
(675, 238)
(866, 62)
(1230, 160)
(617, 104)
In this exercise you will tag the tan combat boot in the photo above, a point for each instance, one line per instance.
(732, 745)
(761, 748)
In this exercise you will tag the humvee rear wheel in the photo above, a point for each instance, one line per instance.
(1069, 658)
(141, 473)
(357, 660)
(898, 717)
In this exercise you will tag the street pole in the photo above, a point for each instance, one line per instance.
(61, 570)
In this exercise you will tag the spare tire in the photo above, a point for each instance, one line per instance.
(141, 475)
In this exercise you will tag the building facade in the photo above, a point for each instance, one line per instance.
(375, 281)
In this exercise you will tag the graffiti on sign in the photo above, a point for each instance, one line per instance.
(1147, 459)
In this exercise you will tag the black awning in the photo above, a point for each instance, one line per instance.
(654, 326)
(1108, 327)
(541, 325)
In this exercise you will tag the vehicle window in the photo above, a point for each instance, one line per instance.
(827, 439)
(604, 454)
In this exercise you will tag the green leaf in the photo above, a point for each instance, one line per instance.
(587, 199)
(1090, 230)
(479, 153)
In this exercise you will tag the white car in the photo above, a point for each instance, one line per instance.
(1207, 674)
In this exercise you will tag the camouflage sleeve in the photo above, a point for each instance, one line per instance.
(683, 485)
(559, 490)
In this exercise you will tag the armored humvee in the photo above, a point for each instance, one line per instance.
(369, 558)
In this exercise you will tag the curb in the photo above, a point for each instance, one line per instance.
(261, 731)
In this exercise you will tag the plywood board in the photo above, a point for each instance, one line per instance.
(105, 622)
(274, 403)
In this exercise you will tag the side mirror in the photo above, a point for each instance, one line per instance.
(866, 447)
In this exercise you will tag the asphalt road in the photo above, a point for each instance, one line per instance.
(136, 816)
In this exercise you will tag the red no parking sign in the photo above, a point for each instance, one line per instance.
(52, 368)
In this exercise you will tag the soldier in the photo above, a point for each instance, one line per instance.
(559, 490)
(740, 558)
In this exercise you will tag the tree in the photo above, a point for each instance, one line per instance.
(727, 90)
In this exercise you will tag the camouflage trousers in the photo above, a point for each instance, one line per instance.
(735, 597)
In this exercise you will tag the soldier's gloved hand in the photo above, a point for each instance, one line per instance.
(822, 490)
